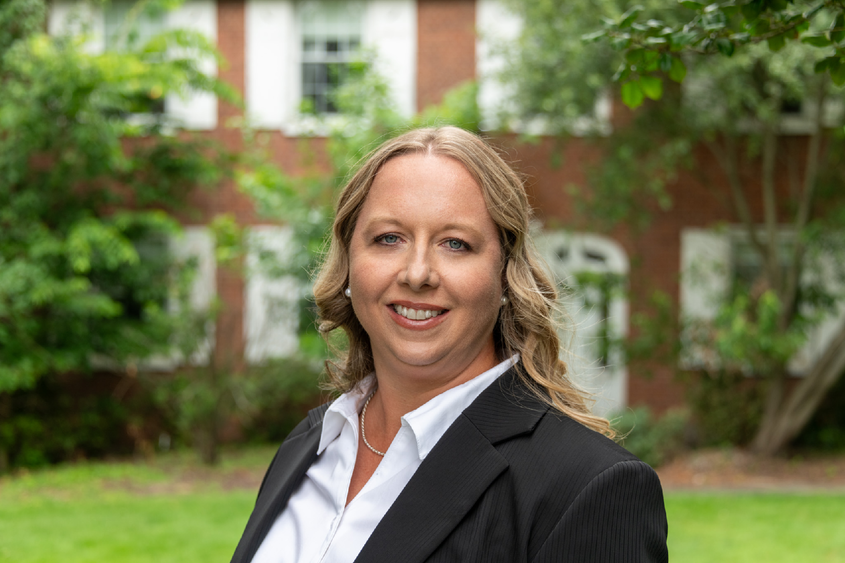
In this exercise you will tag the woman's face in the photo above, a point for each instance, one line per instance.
(426, 272)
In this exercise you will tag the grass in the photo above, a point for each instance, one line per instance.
(171, 509)
(756, 527)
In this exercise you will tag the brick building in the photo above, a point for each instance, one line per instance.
(277, 52)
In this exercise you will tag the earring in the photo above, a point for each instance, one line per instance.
(504, 300)
(347, 292)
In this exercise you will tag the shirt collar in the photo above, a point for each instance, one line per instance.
(344, 409)
(428, 422)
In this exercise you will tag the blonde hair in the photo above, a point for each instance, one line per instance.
(526, 323)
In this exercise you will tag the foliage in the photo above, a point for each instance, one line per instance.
(78, 274)
(87, 188)
(278, 403)
(653, 48)
(47, 425)
(653, 440)
(735, 110)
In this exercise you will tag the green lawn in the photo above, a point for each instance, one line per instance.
(172, 510)
(756, 528)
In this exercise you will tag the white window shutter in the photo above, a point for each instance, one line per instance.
(390, 27)
(496, 26)
(196, 110)
(271, 317)
(272, 90)
(705, 271)
(67, 16)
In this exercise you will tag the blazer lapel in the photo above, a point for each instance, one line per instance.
(291, 463)
(455, 474)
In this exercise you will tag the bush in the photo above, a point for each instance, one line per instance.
(283, 391)
(727, 408)
(50, 424)
(655, 441)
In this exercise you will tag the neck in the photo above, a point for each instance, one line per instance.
(401, 393)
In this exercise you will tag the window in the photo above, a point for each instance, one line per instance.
(331, 36)
(297, 52)
(591, 272)
(499, 27)
(126, 23)
(271, 315)
(716, 263)
(101, 24)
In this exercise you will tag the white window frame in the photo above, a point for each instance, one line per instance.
(195, 111)
(273, 61)
(498, 25)
(609, 383)
(271, 316)
(706, 274)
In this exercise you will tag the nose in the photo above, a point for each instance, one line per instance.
(419, 272)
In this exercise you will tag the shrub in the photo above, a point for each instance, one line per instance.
(655, 441)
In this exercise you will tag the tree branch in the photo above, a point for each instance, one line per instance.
(726, 158)
(806, 202)
(810, 391)
(770, 210)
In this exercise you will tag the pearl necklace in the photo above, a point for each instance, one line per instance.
(364, 434)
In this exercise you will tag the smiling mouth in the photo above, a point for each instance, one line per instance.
(417, 314)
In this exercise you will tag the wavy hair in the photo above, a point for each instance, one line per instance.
(526, 324)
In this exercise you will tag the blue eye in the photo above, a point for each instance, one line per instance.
(455, 244)
(389, 239)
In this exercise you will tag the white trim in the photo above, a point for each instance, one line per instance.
(77, 18)
(567, 254)
(270, 303)
(390, 28)
(195, 110)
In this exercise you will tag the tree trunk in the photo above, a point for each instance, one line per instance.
(792, 413)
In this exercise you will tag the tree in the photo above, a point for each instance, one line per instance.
(89, 176)
(778, 57)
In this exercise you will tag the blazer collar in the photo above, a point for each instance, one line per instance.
(455, 474)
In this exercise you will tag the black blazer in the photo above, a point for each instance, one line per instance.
(510, 481)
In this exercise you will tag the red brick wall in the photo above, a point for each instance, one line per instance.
(446, 57)
(445, 47)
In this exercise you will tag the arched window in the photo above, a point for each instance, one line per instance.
(592, 272)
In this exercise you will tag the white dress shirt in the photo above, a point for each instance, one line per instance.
(316, 526)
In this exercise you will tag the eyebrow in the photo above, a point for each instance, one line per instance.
(447, 227)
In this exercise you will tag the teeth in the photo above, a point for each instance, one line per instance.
(415, 314)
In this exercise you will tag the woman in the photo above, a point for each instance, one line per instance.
(458, 436)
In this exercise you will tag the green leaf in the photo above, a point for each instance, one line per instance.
(691, 5)
(822, 65)
(652, 87)
(752, 10)
(682, 39)
(837, 29)
(776, 43)
(678, 71)
(837, 71)
(628, 17)
(594, 36)
(632, 94)
(635, 56)
(816, 40)
(666, 62)
(725, 46)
